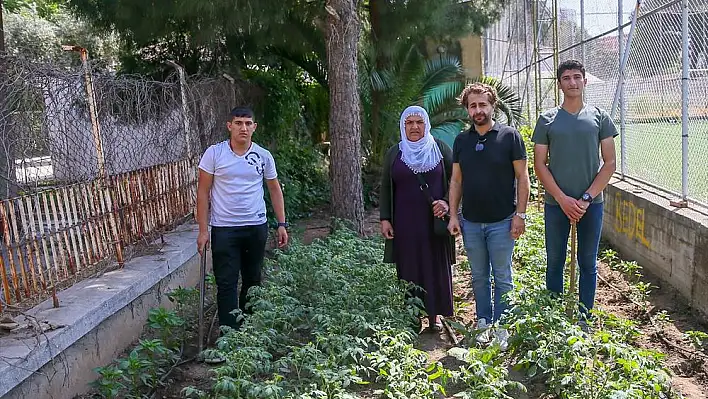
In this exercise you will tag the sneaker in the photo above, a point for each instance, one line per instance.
(484, 335)
(211, 356)
(501, 337)
(584, 326)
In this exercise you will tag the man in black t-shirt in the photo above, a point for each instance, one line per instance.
(489, 174)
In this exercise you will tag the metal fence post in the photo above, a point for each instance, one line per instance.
(582, 31)
(623, 127)
(527, 92)
(684, 102)
(93, 111)
(185, 109)
(619, 91)
(233, 91)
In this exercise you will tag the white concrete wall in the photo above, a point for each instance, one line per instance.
(102, 317)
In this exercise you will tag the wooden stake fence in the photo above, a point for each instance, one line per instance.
(51, 237)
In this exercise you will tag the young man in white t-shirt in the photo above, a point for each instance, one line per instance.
(231, 177)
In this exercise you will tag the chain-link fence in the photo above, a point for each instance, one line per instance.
(91, 163)
(533, 36)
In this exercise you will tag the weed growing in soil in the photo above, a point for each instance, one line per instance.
(138, 374)
(548, 345)
(332, 321)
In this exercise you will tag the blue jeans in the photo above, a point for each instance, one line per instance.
(557, 233)
(489, 246)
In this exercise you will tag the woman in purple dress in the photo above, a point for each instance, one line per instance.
(421, 256)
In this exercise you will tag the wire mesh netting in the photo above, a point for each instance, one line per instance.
(49, 136)
(649, 112)
(92, 163)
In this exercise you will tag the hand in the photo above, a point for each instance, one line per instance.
(572, 209)
(202, 242)
(282, 237)
(440, 208)
(453, 226)
(386, 229)
(518, 227)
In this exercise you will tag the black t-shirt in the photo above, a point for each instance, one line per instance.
(488, 178)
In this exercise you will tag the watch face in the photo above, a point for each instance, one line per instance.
(587, 197)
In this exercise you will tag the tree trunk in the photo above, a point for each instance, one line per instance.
(376, 98)
(342, 36)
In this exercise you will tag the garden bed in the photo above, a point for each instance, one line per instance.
(332, 322)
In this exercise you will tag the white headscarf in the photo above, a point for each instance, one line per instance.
(423, 155)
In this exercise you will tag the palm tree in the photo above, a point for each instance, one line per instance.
(433, 84)
(448, 118)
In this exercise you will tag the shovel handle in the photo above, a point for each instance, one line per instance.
(202, 278)
(573, 254)
(573, 266)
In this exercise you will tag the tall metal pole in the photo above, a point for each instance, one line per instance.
(624, 57)
(556, 49)
(93, 108)
(517, 37)
(684, 101)
(527, 61)
(582, 31)
(536, 56)
(185, 108)
(2, 30)
(232, 81)
(623, 127)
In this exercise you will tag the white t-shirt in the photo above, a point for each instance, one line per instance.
(237, 191)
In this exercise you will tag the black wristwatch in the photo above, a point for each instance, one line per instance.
(284, 224)
(586, 197)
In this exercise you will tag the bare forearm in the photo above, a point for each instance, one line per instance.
(523, 190)
(549, 183)
(203, 210)
(602, 179)
(455, 197)
(276, 198)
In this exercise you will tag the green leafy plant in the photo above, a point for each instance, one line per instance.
(548, 345)
(109, 384)
(330, 319)
(166, 323)
(697, 339)
(137, 374)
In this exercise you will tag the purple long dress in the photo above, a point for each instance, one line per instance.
(421, 256)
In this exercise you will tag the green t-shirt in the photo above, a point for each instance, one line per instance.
(573, 147)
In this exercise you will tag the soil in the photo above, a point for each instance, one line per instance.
(690, 379)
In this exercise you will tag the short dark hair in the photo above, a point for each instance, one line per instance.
(241, 112)
(570, 65)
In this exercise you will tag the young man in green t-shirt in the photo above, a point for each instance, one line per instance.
(573, 134)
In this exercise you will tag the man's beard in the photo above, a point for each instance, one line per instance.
(483, 121)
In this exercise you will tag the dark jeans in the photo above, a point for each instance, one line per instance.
(557, 233)
(236, 250)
